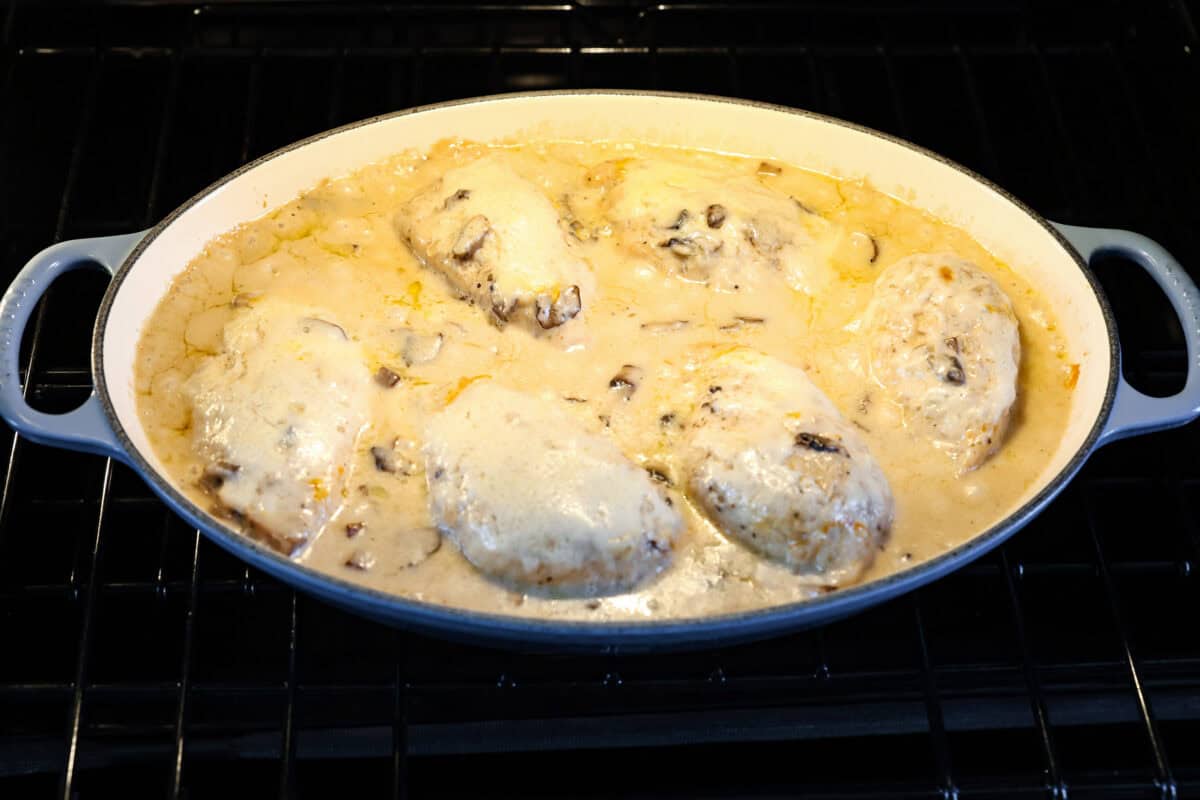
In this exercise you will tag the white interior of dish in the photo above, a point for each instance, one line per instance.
(693, 122)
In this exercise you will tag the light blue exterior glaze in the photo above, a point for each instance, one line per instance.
(1134, 412)
(85, 428)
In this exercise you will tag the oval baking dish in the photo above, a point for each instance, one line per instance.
(1052, 258)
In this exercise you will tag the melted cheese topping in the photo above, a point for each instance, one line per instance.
(945, 346)
(533, 498)
(495, 238)
(776, 465)
(728, 232)
(276, 418)
(789, 272)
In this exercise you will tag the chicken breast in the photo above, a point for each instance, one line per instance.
(945, 346)
(773, 463)
(725, 233)
(275, 418)
(495, 237)
(533, 499)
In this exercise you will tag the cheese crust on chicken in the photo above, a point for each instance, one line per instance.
(495, 237)
(722, 232)
(773, 463)
(945, 346)
(276, 416)
(534, 499)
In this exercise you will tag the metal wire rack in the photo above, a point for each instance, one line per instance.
(139, 659)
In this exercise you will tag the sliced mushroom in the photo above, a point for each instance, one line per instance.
(659, 475)
(767, 168)
(819, 443)
(714, 215)
(502, 308)
(471, 237)
(950, 370)
(805, 208)
(361, 560)
(421, 348)
(680, 221)
(398, 458)
(354, 529)
(309, 324)
(386, 377)
(665, 327)
(874, 248)
(385, 458)
(742, 322)
(947, 366)
(461, 194)
(578, 230)
(857, 249)
(682, 246)
(564, 308)
(626, 381)
(215, 475)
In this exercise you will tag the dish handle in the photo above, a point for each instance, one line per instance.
(85, 428)
(1132, 411)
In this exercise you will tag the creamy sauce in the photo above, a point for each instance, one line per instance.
(336, 248)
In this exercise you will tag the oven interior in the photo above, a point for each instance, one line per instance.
(138, 658)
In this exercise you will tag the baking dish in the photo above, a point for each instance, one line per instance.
(1052, 258)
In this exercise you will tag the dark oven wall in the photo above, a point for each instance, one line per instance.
(139, 660)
